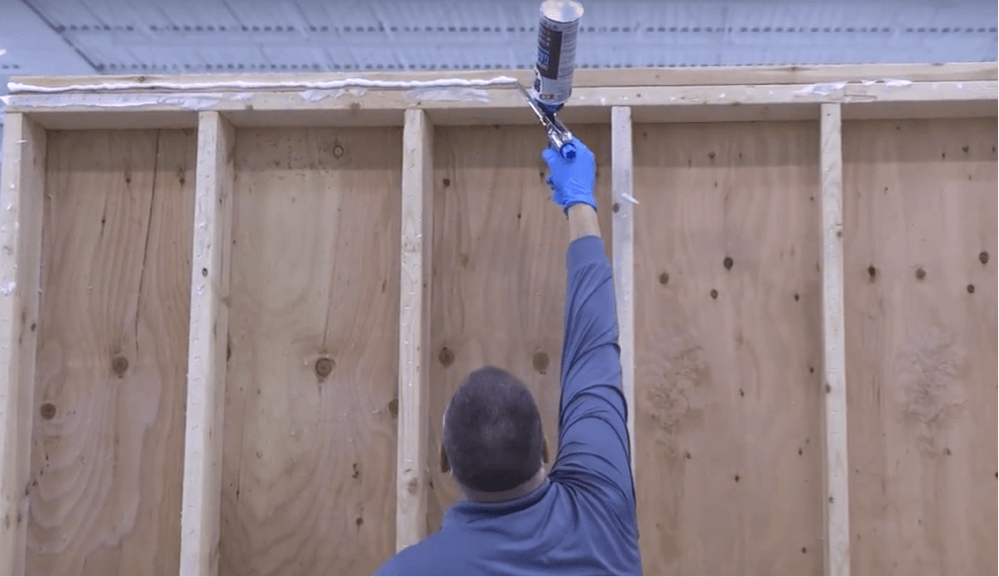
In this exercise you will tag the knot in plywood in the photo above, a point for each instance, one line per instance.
(324, 366)
(119, 365)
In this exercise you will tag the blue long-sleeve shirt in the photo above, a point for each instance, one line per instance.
(582, 520)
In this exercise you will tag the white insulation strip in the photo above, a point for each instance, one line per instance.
(18, 87)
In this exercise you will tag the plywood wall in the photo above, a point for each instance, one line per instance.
(728, 348)
(920, 281)
(498, 270)
(728, 408)
(310, 409)
(107, 441)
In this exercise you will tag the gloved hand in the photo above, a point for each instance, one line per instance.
(571, 181)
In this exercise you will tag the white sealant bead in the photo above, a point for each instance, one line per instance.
(16, 87)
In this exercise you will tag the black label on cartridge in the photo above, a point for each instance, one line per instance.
(549, 51)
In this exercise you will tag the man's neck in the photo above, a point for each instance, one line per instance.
(519, 491)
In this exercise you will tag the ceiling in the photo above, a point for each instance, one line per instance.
(68, 37)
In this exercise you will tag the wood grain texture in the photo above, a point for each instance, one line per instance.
(505, 105)
(582, 78)
(499, 270)
(623, 234)
(107, 449)
(416, 251)
(836, 513)
(728, 348)
(22, 193)
(309, 471)
(208, 338)
(920, 281)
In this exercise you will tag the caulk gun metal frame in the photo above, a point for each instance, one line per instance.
(559, 137)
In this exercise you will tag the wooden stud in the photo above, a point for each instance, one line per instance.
(836, 478)
(414, 328)
(207, 347)
(622, 232)
(702, 76)
(21, 208)
(505, 105)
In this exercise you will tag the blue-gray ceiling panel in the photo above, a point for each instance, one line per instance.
(210, 35)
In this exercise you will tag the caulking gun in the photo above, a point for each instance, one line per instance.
(556, 61)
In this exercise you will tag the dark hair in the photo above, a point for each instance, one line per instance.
(492, 432)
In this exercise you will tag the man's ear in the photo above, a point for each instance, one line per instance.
(445, 465)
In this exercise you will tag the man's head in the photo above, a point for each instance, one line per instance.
(492, 432)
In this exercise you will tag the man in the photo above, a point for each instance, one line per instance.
(580, 519)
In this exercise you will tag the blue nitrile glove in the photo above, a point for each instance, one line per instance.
(571, 181)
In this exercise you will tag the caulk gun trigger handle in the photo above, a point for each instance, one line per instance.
(568, 151)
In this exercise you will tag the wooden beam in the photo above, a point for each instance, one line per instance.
(836, 505)
(414, 329)
(622, 233)
(584, 78)
(209, 331)
(505, 105)
(21, 208)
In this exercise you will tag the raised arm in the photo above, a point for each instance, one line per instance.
(593, 432)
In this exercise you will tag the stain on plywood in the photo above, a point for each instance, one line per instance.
(728, 335)
(920, 207)
(107, 443)
(310, 433)
(678, 399)
(499, 270)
